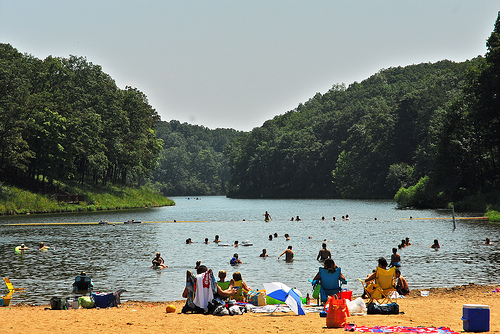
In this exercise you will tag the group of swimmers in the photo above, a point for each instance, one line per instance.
(267, 218)
(41, 246)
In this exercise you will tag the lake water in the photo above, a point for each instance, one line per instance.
(120, 256)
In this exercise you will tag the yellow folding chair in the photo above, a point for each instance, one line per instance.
(11, 287)
(383, 288)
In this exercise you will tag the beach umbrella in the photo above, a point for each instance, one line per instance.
(284, 293)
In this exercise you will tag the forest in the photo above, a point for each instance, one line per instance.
(64, 119)
(427, 133)
(192, 160)
(424, 134)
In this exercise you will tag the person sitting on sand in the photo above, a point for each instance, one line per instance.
(191, 281)
(331, 267)
(324, 253)
(395, 258)
(43, 247)
(237, 283)
(222, 276)
(364, 295)
(158, 261)
(289, 254)
(264, 253)
(401, 285)
(436, 245)
(235, 260)
(222, 280)
(382, 263)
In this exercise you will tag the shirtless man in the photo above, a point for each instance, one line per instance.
(324, 253)
(402, 285)
(289, 254)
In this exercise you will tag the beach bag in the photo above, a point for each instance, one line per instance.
(257, 297)
(357, 306)
(86, 302)
(57, 303)
(392, 308)
(337, 312)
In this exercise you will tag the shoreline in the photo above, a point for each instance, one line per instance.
(442, 308)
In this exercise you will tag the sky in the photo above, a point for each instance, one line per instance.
(235, 64)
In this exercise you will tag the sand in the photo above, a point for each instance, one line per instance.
(443, 307)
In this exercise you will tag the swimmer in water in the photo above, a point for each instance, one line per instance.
(158, 262)
(289, 254)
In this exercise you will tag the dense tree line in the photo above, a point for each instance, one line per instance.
(466, 141)
(192, 160)
(433, 123)
(428, 130)
(362, 141)
(65, 119)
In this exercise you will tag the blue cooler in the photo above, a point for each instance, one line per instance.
(476, 318)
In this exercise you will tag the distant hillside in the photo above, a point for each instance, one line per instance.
(192, 160)
(362, 141)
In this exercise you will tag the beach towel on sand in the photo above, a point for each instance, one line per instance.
(399, 329)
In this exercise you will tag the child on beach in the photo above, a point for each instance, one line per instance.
(402, 285)
(395, 258)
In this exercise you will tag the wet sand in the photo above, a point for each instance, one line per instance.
(443, 307)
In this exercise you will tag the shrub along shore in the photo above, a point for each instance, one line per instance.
(15, 201)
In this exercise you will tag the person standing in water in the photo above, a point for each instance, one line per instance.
(324, 253)
(436, 245)
(289, 254)
(267, 217)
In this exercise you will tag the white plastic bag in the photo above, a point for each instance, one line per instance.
(356, 307)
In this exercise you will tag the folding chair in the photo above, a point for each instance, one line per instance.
(331, 284)
(83, 284)
(11, 287)
(384, 286)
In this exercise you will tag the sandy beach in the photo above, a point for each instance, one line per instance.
(443, 307)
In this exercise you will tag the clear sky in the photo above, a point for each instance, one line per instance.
(236, 64)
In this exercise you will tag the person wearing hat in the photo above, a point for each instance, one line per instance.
(158, 262)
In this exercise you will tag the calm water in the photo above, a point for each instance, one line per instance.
(120, 256)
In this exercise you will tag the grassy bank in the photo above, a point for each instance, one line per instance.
(17, 201)
(494, 216)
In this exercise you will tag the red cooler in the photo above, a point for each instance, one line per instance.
(346, 294)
